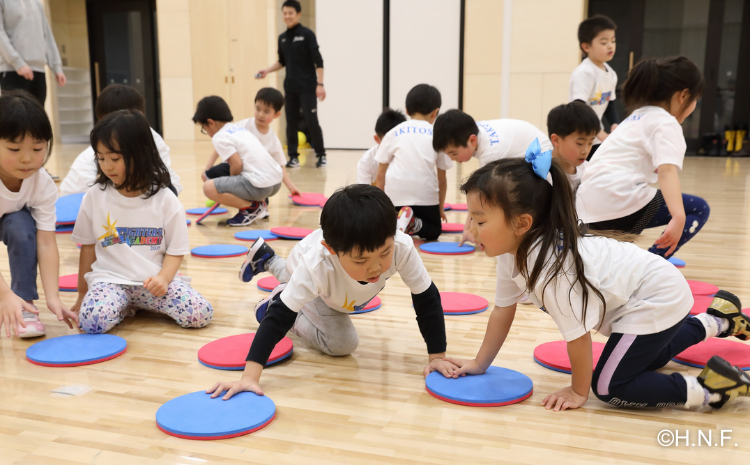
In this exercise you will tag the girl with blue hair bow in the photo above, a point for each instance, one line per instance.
(523, 212)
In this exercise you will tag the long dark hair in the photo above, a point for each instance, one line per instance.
(511, 185)
(655, 81)
(127, 133)
(22, 115)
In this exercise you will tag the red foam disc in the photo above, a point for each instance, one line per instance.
(453, 227)
(554, 355)
(700, 304)
(735, 352)
(268, 283)
(230, 352)
(69, 282)
(291, 233)
(309, 199)
(375, 302)
(462, 207)
(701, 288)
(459, 302)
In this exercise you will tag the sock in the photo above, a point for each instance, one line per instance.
(269, 261)
(697, 395)
(714, 325)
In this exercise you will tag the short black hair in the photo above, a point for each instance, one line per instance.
(22, 115)
(127, 133)
(575, 116)
(423, 99)
(293, 4)
(119, 97)
(358, 218)
(591, 27)
(388, 120)
(212, 107)
(270, 96)
(453, 128)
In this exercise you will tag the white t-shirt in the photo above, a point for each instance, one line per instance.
(270, 142)
(411, 178)
(593, 85)
(317, 273)
(38, 193)
(82, 173)
(575, 179)
(367, 167)
(258, 166)
(645, 294)
(616, 181)
(506, 138)
(131, 235)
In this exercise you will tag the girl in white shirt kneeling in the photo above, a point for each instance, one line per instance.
(133, 233)
(523, 213)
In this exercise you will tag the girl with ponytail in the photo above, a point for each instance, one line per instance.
(615, 192)
(522, 211)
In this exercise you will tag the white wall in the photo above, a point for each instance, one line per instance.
(351, 42)
(424, 48)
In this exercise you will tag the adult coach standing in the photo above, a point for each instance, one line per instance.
(298, 51)
(26, 45)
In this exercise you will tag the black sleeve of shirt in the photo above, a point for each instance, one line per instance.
(611, 114)
(281, 54)
(429, 309)
(312, 42)
(278, 321)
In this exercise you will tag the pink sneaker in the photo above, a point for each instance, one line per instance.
(34, 327)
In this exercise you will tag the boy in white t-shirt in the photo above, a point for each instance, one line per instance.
(268, 105)
(572, 128)
(408, 164)
(253, 173)
(334, 271)
(82, 173)
(367, 167)
(594, 82)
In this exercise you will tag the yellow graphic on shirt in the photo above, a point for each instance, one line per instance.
(600, 98)
(110, 228)
(348, 306)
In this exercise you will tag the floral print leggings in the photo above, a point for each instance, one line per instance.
(105, 305)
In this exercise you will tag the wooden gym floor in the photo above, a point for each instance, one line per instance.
(370, 407)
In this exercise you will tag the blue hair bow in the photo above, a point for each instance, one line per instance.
(540, 161)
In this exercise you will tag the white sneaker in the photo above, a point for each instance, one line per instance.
(34, 327)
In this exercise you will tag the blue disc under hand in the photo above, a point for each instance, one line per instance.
(76, 350)
(498, 386)
(218, 251)
(198, 416)
(66, 208)
(446, 248)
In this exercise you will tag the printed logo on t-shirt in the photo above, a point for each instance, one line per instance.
(350, 307)
(414, 130)
(298, 39)
(601, 98)
(633, 118)
(491, 133)
(130, 236)
(233, 129)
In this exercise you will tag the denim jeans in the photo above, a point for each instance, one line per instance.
(18, 230)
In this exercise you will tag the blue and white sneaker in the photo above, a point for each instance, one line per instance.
(247, 216)
(255, 260)
(262, 307)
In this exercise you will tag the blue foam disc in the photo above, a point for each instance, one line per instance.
(498, 386)
(64, 228)
(66, 208)
(254, 234)
(76, 350)
(446, 248)
(188, 222)
(676, 262)
(202, 210)
(198, 416)
(218, 251)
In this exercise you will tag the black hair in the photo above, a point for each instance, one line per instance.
(270, 96)
(424, 99)
(212, 107)
(511, 185)
(22, 115)
(127, 133)
(654, 81)
(358, 218)
(453, 128)
(591, 27)
(119, 97)
(293, 4)
(388, 120)
(575, 116)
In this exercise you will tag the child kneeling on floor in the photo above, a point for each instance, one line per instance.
(132, 232)
(334, 271)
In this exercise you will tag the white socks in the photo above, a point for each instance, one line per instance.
(697, 395)
(714, 325)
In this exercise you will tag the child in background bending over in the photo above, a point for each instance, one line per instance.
(367, 167)
(133, 233)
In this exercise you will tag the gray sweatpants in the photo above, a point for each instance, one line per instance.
(327, 330)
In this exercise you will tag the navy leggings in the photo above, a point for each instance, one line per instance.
(696, 215)
(625, 375)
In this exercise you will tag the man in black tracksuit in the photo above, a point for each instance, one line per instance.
(298, 51)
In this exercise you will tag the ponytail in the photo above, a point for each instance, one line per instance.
(654, 81)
